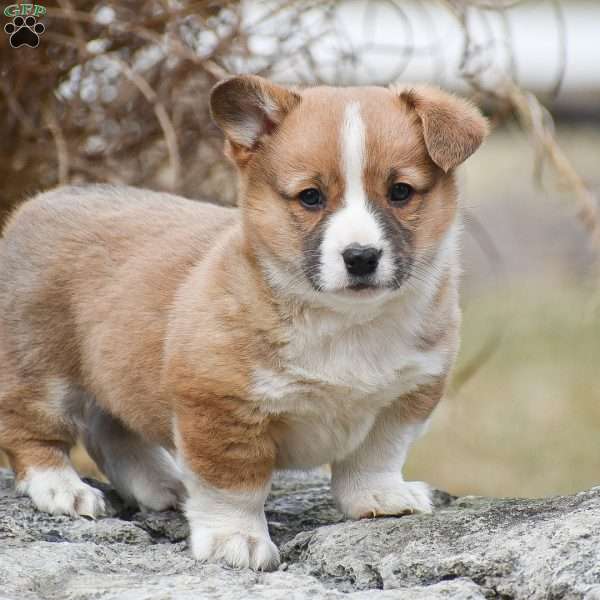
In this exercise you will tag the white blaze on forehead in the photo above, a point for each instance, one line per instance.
(353, 142)
(354, 222)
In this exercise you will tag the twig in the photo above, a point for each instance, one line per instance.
(62, 151)
(162, 117)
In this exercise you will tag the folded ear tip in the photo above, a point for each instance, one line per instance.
(238, 80)
(473, 112)
(216, 93)
(453, 126)
(227, 87)
(224, 84)
(248, 107)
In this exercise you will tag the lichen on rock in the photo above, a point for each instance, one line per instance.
(470, 548)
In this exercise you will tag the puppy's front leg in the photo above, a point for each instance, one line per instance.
(369, 482)
(227, 458)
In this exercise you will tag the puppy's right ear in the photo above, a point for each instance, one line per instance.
(248, 108)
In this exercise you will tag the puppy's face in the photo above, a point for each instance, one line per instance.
(346, 191)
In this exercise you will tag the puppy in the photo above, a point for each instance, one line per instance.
(205, 347)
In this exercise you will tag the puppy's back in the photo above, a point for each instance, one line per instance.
(80, 217)
(71, 257)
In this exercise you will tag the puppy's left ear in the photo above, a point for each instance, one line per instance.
(453, 128)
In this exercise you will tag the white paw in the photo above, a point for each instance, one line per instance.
(61, 492)
(235, 548)
(385, 497)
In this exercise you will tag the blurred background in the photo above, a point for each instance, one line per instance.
(117, 91)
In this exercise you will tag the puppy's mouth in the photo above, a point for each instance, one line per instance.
(363, 289)
(367, 287)
(361, 286)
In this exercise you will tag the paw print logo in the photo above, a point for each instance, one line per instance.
(24, 32)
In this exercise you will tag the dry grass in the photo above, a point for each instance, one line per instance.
(528, 423)
(528, 420)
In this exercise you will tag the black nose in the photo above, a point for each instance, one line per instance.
(361, 260)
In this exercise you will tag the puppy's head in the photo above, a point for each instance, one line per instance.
(346, 191)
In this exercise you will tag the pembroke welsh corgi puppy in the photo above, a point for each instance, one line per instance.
(196, 349)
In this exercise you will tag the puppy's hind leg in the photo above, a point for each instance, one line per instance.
(140, 471)
(37, 436)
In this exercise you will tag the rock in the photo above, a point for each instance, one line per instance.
(470, 548)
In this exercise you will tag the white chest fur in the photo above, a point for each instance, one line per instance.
(337, 373)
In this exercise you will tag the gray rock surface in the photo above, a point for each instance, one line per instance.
(470, 548)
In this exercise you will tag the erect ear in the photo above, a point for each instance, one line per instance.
(248, 107)
(453, 128)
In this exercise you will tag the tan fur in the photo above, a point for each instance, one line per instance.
(239, 451)
(419, 404)
(452, 128)
(159, 308)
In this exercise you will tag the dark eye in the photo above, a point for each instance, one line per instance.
(400, 193)
(311, 198)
